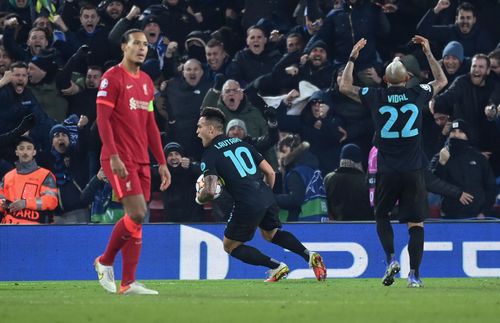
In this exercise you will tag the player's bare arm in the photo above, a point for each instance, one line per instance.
(346, 87)
(440, 79)
(269, 174)
(208, 191)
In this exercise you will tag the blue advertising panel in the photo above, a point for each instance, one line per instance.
(173, 251)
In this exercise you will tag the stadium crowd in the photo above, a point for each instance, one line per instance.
(273, 67)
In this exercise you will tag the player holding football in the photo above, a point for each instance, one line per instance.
(397, 113)
(243, 169)
(127, 127)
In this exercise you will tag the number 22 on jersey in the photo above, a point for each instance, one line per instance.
(407, 130)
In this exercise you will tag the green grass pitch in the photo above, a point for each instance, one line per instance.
(336, 300)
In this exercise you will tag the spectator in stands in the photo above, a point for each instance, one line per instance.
(494, 57)
(69, 164)
(347, 188)
(5, 61)
(27, 199)
(183, 99)
(158, 45)
(22, 9)
(466, 99)
(9, 139)
(314, 67)
(111, 11)
(253, 61)
(278, 12)
(453, 63)
(18, 101)
(303, 196)
(42, 71)
(465, 30)
(91, 33)
(342, 28)
(176, 19)
(178, 199)
(319, 126)
(235, 105)
(462, 165)
(105, 205)
(80, 91)
(38, 40)
(294, 43)
(217, 59)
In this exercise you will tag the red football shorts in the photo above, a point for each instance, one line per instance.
(137, 182)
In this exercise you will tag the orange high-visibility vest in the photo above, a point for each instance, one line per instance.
(39, 192)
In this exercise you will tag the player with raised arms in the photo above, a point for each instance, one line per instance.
(397, 114)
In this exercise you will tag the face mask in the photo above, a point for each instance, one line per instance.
(457, 145)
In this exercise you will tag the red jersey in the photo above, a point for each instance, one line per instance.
(125, 116)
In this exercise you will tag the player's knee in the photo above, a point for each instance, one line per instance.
(268, 235)
(138, 214)
(228, 249)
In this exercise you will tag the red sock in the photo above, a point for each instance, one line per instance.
(130, 258)
(119, 237)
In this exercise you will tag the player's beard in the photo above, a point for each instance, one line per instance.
(139, 64)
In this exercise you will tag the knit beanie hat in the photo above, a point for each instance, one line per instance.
(173, 146)
(460, 124)
(320, 44)
(351, 152)
(149, 19)
(236, 123)
(455, 49)
(57, 129)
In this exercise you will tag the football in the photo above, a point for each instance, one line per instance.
(200, 183)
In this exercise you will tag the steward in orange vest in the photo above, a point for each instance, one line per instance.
(27, 193)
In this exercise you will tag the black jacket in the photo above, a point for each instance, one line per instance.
(470, 171)
(347, 195)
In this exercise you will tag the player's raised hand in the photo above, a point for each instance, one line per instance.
(357, 47)
(417, 39)
(165, 177)
(118, 167)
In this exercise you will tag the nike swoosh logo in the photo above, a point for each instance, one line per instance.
(129, 87)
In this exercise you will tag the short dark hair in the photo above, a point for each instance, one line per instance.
(257, 27)
(44, 30)
(482, 56)
(18, 64)
(466, 6)
(495, 54)
(214, 43)
(125, 36)
(88, 6)
(214, 115)
(25, 139)
(95, 67)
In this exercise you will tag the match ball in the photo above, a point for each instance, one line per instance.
(200, 184)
